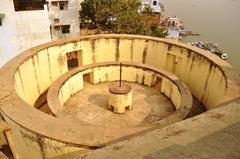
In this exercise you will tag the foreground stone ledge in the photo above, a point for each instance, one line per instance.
(214, 134)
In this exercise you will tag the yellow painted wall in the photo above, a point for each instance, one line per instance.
(35, 75)
(29, 82)
(195, 70)
(105, 50)
(156, 55)
(42, 69)
(111, 73)
(125, 50)
(30, 145)
(87, 52)
(138, 49)
(18, 84)
(171, 91)
(70, 87)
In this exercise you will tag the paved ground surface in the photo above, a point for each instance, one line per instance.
(91, 105)
(214, 134)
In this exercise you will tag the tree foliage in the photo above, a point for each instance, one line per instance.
(157, 31)
(117, 16)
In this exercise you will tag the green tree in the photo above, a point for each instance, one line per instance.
(88, 10)
(118, 16)
(129, 21)
(147, 10)
(96, 10)
(157, 31)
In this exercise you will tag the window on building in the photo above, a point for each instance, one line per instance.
(63, 5)
(55, 4)
(1, 18)
(25, 5)
(50, 27)
(72, 60)
(57, 28)
(56, 20)
(154, 3)
(65, 29)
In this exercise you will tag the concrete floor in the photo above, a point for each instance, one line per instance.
(91, 105)
(211, 135)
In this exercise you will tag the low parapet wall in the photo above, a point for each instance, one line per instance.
(72, 82)
(24, 78)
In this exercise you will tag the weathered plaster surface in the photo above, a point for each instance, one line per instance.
(21, 30)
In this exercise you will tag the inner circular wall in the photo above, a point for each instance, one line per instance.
(72, 82)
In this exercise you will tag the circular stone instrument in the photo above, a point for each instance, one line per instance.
(120, 98)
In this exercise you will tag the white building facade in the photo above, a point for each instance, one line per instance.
(153, 4)
(22, 26)
(64, 18)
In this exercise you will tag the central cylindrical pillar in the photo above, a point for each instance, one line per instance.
(120, 98)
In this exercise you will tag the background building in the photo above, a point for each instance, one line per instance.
(64, 18)
(23, 24)
(154, 5)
